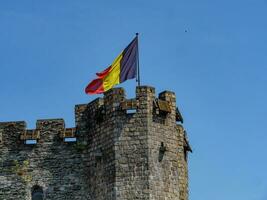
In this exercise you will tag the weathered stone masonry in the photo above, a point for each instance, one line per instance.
(117, 156)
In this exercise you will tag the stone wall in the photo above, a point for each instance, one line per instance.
(117, 156)
(55, 166)
(150, 159)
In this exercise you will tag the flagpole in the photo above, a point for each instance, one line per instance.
(138, 69)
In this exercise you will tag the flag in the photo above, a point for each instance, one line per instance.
(124, 67)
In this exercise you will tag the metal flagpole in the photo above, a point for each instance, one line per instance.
(138, 69)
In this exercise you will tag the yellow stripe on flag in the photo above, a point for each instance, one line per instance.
(113, 77)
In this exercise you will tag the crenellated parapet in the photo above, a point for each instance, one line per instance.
(46, 131)
(115, 102)
(113, 106)
(120, 148)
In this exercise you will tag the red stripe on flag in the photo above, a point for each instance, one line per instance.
(103, 73)
(95, 87)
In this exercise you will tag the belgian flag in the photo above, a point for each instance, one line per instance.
(124, 67)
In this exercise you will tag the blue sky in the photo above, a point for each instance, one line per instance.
(211, 53)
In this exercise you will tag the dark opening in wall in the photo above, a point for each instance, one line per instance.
(37, 193)
(162, 151)
(1, 137)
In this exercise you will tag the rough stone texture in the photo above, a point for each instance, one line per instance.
(51, 164)
(118, 156)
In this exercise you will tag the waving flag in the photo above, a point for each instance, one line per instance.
(124, 67)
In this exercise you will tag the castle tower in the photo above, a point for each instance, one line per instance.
(126, 149)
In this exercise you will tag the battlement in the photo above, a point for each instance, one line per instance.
(17, 131)
(120, 148)
(97, 111)
(115, 102)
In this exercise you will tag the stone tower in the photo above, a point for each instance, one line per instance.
(120, 149)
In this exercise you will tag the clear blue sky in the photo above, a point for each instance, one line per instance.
(211, 53)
